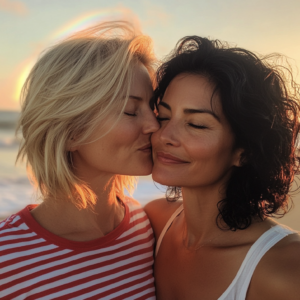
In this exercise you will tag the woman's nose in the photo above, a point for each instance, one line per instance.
(169, 134)
(151, 124)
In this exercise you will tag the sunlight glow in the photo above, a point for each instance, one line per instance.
(80, 23)
(88, 19)
(25, 70)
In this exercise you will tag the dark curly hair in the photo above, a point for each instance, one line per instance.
(261, 102)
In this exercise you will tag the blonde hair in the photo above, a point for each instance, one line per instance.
(74, 86)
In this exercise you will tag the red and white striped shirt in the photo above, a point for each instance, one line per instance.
(36, 264)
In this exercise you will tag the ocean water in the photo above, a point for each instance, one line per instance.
(15, 189)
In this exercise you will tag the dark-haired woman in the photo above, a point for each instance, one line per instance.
(226, 146)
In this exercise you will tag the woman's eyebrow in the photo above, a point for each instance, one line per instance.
(164, 104)
(192, 110)
(201, 111)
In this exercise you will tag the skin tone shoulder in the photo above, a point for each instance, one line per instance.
(195, 149)
(124, 150)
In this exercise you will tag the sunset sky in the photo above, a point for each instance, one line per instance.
(29, 26)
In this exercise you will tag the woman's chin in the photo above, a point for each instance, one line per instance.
(164, 179)
(141, 168)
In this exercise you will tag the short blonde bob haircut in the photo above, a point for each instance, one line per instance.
(73, 87)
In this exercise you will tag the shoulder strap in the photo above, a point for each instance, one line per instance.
(167, 226)
(239, 286)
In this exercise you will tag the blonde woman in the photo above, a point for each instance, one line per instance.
(86, 124)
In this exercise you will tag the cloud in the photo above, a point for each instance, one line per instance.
(15, 7)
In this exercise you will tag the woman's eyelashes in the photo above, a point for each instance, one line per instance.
(197, 126)
(130, 114)
(161, 119)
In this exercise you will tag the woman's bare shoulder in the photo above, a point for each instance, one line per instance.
(278, 274)
(159, 211)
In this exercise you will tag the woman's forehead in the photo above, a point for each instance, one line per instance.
(193, 90)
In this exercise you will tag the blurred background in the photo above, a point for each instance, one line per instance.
(28, 27)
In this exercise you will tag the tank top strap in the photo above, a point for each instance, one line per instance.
(167, 226)
(239, 286)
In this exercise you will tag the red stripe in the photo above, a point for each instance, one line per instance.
(71, 273)
(136, 233)
(136, 211)
(24, 248)
(19, 240)
(137, 291)
(15, 224)
(148, 295)
(28, 257)
(96, 286)
(18, 285)
(14, 232)
(76, 282)
(124, 286)
(133, 224)
(139, 220)
(67, 255)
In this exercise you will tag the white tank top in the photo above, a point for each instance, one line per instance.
(238, 288)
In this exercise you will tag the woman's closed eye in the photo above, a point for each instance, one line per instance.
(197, 126)
(130, 114)
(161, 119)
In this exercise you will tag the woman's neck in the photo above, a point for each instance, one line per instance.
(63, 218)
(200, 214)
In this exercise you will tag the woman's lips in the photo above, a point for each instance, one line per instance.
(147, 148)
(169, 159)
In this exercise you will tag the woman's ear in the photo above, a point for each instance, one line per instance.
(238, 157)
